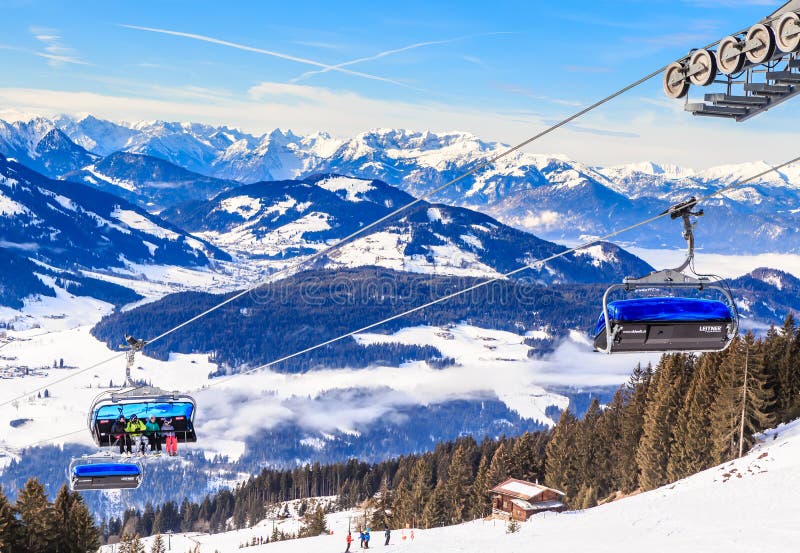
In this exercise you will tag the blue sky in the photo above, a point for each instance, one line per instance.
(502, 70)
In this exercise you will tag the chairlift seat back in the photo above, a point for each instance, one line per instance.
(665, 325)
(105, 476)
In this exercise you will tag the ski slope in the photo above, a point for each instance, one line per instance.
(747, 506)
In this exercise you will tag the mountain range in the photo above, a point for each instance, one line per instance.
(552, 196)
(284, 219)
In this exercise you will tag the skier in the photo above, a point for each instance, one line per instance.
(172, 440)
(387, 533)
(118, 431)
(366, 539)
(135, 428)
(349, 541)
(361, 537)
(153, 435)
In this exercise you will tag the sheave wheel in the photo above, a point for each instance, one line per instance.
(787, 32)
(729, 56)
(675, 83)
(709, 73)
(761, 32)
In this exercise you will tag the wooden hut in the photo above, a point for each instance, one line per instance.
(519, 500)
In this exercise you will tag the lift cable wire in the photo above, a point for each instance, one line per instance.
(530, 265)
(338, 244)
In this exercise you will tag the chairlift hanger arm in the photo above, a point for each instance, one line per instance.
(684, 211)
(135, 345)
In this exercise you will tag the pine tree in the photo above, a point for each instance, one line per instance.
(131, 544)
(61, 508)
(144, 526)
(436, 512)
(480, 503)
(421, 486)
(527, 456)
(382, 514)
(631, 422)
(459, 480)
(498, 468)
(691, 449)
(11, 538)
(38, 518)
(561, 466)
(782, 362)
(744, 355)
(593, 469)
(402, 504)
(663, 402)
(314, 523)
(84, 536)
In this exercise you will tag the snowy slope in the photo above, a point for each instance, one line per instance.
(65, 224)
(747, 505)
(148, 181)
(272, 222)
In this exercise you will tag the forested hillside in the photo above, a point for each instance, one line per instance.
(314, 306)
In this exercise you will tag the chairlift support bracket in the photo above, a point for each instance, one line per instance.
(748, 72)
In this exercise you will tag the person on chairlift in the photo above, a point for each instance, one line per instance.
(154, 435)
(119, 433)
(135, 430)
(171, 439)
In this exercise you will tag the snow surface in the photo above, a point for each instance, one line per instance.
(744, 506)
(521, 488)
(137, 221)
(244, 206)
(9, 207)
(598, 254)
(352, 187)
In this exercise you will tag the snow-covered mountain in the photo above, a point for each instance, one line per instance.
(147, 181)
(38, 144)
(552, 196)
(64, 224)
(285, 219)
(51, 231)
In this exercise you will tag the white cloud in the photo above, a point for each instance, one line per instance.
(543, 220)
(55, 51)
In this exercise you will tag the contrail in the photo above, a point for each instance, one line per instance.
(340, 66)
(272, 53)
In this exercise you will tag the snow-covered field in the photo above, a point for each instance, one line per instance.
(747, 506)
